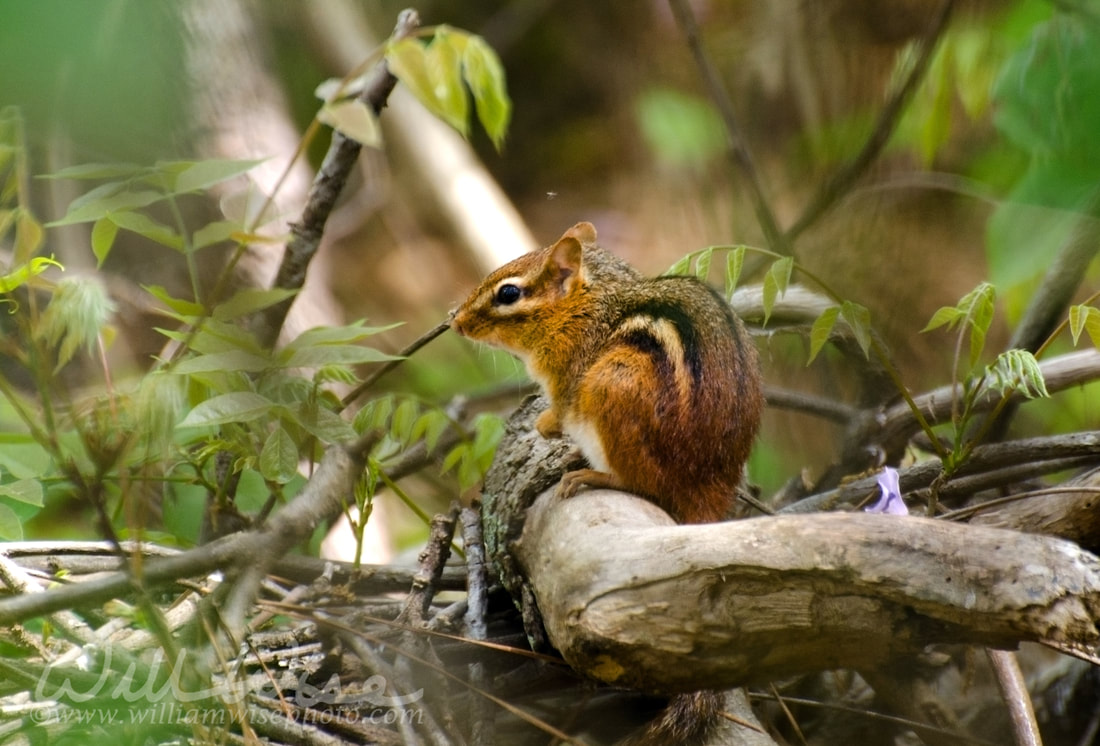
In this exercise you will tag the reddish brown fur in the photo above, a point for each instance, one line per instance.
(659, 370)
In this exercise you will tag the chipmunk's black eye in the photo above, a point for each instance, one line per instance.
(508, 294)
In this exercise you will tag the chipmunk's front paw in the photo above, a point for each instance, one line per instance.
(573, 482)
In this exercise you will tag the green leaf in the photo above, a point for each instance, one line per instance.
(27, 491)
(312, 357)
(1092, 326)
(144, 225)
(776, 281)
(215, 232)
(681, 267)
(279, 457)
(25, 273)
(86, 209)
(22, 456)
(935, 125)
(250, 300)
(858, 319)
(456, 454)
(340, 374)
(324, 424)
(948, 315)
(103, 238)
(181, 307)
(821, 330)
(975, 310)
(1085, 318)
(98, 171)
(702, 263)
(325, 335)
(408, 61)
(10, 527)
(205, 174)
(374, 414)
(239, 406)
(735, 260)
(404, 418)
(484, 74)
(488, 430)
(1016, 371)
(444, 63)
(28, 236)
(354, 119)
(432, 424)
(229, 360)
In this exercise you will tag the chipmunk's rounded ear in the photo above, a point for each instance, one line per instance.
(565, 261)
(584, 232)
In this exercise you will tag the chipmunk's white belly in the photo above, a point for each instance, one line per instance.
(588, 440)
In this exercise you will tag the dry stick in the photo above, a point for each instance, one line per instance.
(842, 181)
(432, 561)
(874, 716)
(1054, 448)
(1010, 679)
(738, 147)
(481, 720)
(321, 500)
(323, 193)
(390, 365)
(891, 430)
(373, 662)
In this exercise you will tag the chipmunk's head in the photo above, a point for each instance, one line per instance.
(515, 306)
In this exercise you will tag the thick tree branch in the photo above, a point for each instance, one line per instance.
(779, 596)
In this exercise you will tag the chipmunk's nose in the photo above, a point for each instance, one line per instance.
(456, 322)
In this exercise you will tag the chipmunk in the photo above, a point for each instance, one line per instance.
(654, 379)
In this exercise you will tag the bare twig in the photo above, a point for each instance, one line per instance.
(738, 148)
(870, 715)
(432, 561)
(385, 368)
(481, 720)
(842, 181)
(1014, 689)
(795, 401)
(1054, 449)
(877, 432)
(321, 500)
(323, 193)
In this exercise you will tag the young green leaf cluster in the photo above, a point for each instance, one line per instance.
(121, 202)
(442, 72)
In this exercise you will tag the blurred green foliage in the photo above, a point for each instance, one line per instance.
(107, 73)
(219, 419)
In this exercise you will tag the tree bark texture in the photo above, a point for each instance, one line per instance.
(632, 599)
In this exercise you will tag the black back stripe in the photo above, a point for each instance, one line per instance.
(685, 329)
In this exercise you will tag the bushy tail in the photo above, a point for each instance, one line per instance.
(687, 720)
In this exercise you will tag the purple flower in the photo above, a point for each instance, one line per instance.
(890, 501)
